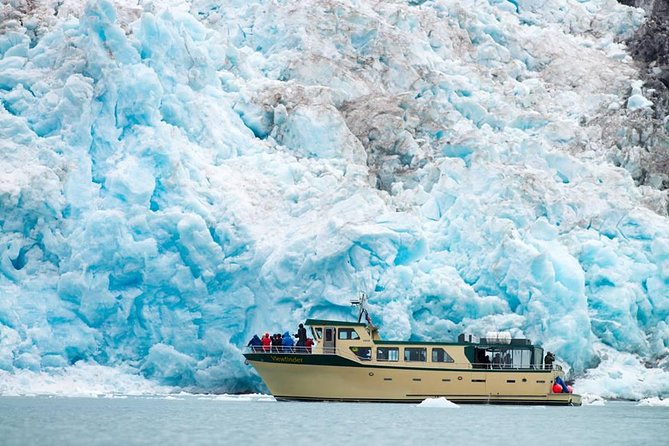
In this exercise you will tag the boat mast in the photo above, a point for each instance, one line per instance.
(361, 303)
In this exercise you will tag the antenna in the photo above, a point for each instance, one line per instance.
(360, 302)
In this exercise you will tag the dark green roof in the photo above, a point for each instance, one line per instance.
(435, 343)
(333, 323)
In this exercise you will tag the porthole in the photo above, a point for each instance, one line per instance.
(459, 378)
(371, 373)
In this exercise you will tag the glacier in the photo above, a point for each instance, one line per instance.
(176, 176)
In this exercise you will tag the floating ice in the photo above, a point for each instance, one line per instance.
(80, 380)
(623, 375)
(441, 402)
(654, 402)
(176, 176)
(248, 397)
(589, 399)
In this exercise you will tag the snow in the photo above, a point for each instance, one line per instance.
(177, 176)
(440, 402)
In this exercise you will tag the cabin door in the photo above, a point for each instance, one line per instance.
(329, 340)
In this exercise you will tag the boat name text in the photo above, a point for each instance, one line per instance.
(287, 359)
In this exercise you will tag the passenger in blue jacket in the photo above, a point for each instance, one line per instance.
(255, 343)
(288, 343)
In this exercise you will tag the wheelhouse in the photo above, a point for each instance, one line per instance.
(362, 342)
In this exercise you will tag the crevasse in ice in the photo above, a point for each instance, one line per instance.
(176, 176)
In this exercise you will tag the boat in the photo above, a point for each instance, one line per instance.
(350, 362)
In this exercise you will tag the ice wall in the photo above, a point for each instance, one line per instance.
(177, 176)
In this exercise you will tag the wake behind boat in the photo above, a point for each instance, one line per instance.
(350, 362)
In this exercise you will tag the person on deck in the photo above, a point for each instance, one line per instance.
(497, 361)
(276, 342)
(255, 343)
(288, 343)
(308, 344)
(506, 360)
(301, 336)
(548, 360)
(266, 342)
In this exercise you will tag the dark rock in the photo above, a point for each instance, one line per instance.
(642, 137)
(650, 46)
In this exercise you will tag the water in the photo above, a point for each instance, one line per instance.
(194, 420)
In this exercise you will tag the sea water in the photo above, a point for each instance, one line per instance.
(194, 420)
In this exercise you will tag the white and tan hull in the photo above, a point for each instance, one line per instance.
(328, 377)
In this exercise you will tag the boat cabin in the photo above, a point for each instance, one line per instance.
(362, 342)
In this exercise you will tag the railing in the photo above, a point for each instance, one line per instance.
(488, 366)
(279, 349)
(346, 353)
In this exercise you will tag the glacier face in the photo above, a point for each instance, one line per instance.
(176, 176)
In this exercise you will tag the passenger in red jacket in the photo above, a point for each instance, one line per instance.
(266, 342)
(308, 344)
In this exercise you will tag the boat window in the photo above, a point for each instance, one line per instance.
(329, 334)
(317, 332)
(415, 354)
(503, 358)
(348, 333)
(440, 355)
(500, 358)
(362, 352)
(387, 354)
(521, 358)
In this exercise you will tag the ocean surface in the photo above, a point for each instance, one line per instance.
(195, 420)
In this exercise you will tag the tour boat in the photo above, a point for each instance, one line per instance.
(350, 362)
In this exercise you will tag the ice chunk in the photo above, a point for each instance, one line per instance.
(637, 100)
(80, 380)
(623, 375)
(654, 402)
(440, 402)
(590, 399)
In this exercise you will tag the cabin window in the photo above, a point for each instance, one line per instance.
(329, 334)
(348, 333)
(388, 354)
(415, 354)
(521, 358)
(441, 355)
(503, 358)
(317, 332)
(362, 352)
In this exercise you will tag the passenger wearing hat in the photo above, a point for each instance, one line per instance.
(255, 343)
(301, 336)
(266, 342)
